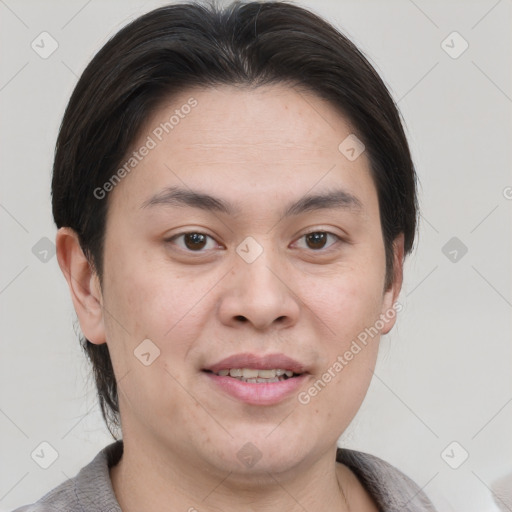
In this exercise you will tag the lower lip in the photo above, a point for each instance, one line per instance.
(258, 393)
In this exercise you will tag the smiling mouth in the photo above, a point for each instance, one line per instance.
(256, 376)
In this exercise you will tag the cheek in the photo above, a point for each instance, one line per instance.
(347, 302)
(148, 300)
(349, 306)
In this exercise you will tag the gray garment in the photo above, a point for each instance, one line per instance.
(91, 490)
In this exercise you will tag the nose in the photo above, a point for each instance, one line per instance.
(259, 294)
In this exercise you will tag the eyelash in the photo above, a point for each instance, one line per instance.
(323, 249)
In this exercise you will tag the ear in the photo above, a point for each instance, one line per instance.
(389, 305)
(83, 283)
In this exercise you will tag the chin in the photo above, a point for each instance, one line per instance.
(256, 454)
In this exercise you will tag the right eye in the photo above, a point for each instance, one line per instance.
(193, 241)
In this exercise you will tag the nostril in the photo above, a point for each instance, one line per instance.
(241, 318)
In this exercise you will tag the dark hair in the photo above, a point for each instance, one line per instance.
(179, 46)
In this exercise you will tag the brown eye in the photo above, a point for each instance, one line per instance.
(195, 241)
(316, 240)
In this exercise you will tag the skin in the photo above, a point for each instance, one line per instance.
(260, 150)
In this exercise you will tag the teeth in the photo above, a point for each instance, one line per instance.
(267, 374)
(248, 373)
(254, 375)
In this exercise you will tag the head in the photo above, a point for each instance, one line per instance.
(232, 181)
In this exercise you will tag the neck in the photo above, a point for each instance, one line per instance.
(150, 479)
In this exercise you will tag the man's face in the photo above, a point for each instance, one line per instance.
(268, 273)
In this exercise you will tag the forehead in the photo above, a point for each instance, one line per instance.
(243, 141)
(262, 120)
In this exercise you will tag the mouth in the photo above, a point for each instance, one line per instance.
(257, 379)
(255, 375)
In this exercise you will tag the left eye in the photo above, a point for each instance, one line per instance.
(317, 240)
(194, 241)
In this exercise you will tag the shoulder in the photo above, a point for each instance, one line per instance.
(391, 489)
(90, 490)
(60, 499)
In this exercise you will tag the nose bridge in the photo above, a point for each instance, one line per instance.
(258, 292)
(261, 276)
(256, 266)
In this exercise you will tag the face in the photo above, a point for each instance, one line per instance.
(243, 238)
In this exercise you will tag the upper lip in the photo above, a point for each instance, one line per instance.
(258, 362)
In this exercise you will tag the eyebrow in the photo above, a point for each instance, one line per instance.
(175, 196)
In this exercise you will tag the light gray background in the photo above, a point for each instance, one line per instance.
(444, 373)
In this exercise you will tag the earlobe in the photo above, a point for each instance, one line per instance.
(389, 306)
(83, 285)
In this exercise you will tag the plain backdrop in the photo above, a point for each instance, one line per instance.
(444, 372)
